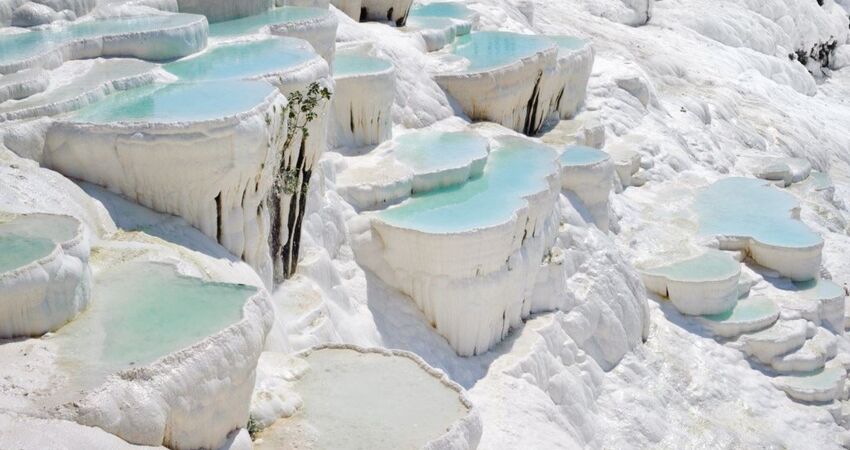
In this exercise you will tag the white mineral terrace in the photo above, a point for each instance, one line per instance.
(747, 316)
(357, 398)
(314, 25)
(415, 162)
(575, 62)
(44, 274)
(363, 98)
(706, 284)
(513, 79)
(479, 245)
(76, 84)
(589, 174)
(184, 351)
(143, 138)
(439, 23)
(750, 214)
(154, 38)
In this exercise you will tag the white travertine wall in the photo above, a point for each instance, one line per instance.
(362, 108)
(224, 195)
(156, 45)
(518, 96)
(189, 399)
(46, 294)
(320, 32)
(592, 184)
(574, 69)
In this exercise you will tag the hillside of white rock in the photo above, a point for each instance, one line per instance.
(438, 224)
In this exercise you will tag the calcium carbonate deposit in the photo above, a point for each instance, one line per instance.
(424, 224)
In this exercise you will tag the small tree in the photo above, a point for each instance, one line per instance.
(302, 109)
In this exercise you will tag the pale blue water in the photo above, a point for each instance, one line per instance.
(579, 155)
(568, 42)
(243, 60)
(819, 379)
(16, 47)
(491, 49)
(429, 22)
(32, 237)
(430, 151)
(753, 208)
(821, 180)
(142, 311)
(57, 228)
(253, 24)
(454, 10)
(356, 64)
(516, 168)
(711, 265)
(177, 102)
(747, 310)
(819, 289)
(17, 251)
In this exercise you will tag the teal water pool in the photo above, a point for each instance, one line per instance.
(711, 265)
(143, 311)
(487, 50)
(752, 208)
(747, 310)
(243, 60)
(515, 168)
(431, 151)
(579, 155)
(253, 24)
(568, 42)
(345, 65)
(17, 251)
(177, 102)
(452, 10)
(16, 47)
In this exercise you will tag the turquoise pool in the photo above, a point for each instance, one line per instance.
(16, 47)
(253, 24)
(432, 151)
(516, 168)
(711, 265)
(243, 59)
(491, 49)
(752, 208)
(579, 155)
(345, 65)
(177, 102)
(142, 311)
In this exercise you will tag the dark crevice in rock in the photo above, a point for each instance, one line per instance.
(219, 225)
(531, 126)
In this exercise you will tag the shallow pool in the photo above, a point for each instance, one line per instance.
(491, 49)
(579, 155)
(453, 10)
(253, 24)
(568, 42)
(355, 400)
(747, 310)
(177, 102)
(244, 60)
(432, 151)
(711, 265)
(752, 208)
(515, 168)
(345, 65)
(16, 47)
(142, 311)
